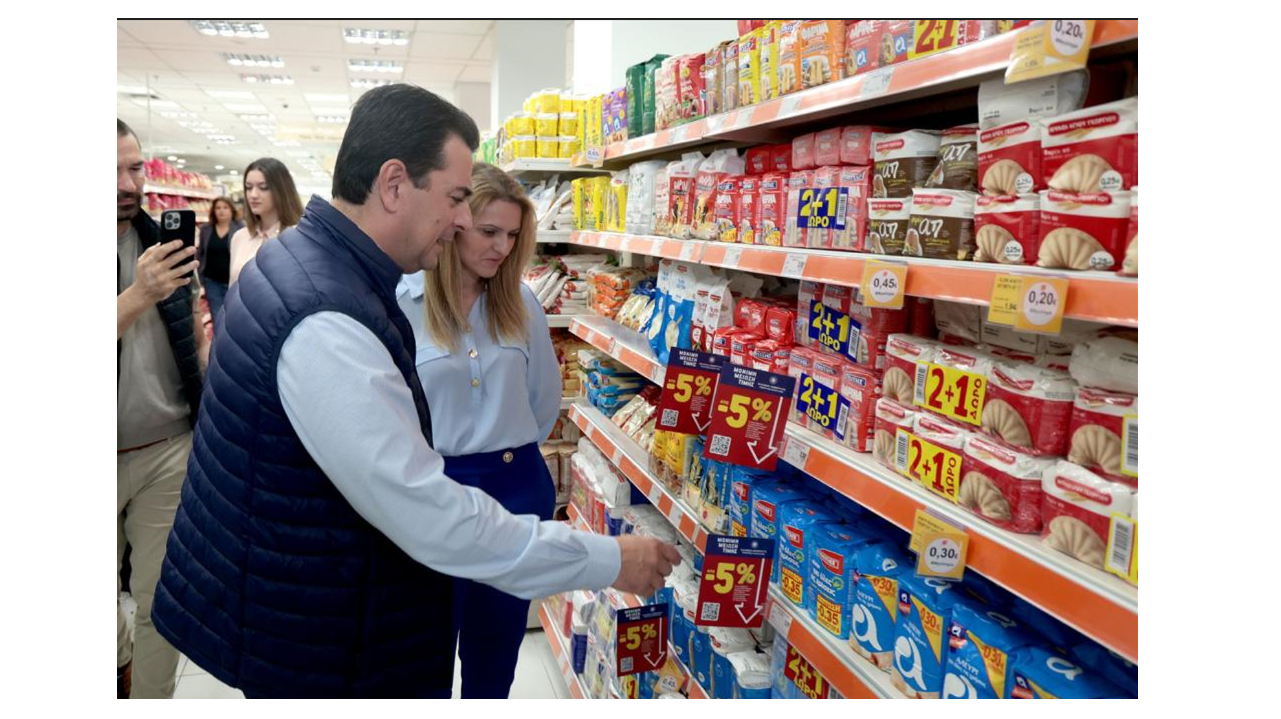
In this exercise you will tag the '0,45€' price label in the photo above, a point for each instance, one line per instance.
(883, 284)
(938, 468)
(951, 392)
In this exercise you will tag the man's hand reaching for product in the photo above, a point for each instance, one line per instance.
(645, 561)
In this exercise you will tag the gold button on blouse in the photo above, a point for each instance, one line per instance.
(508, 457)
(475, 382)
(473, 354)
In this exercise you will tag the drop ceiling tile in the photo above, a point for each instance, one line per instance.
(422, 73)
(138, 58)
(486, 49)
(477, 72)
(462, 27)
(194, 60)
(441, 46)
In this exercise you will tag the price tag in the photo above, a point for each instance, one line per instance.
(931, 36)
(688, 387)
(834, 330)
(735, 581)
(884, 284)
(1003, 309)
(923, 522)
(1130, 445)
(804, 675)
(679, 134)
(951, 392)
(789, 106)
(1122, 557)
(876, 82)
(780, 618)
(941, 548)
(714, 124)
(1041, 303)
(749, 411)
(642, 639)
(823, 207)
(935, 467)
(823, 406)
(657, 374)
(1050, 47)
(594, 155)
(689, 250)
(794, 265)
(743, 119)
(732, 257)
(796, 453)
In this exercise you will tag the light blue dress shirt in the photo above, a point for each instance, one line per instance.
(509, 392)
(355, 415)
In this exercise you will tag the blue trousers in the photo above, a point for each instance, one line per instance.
(489, 625)
(217, 292)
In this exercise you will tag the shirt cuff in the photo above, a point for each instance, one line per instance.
(604, 559)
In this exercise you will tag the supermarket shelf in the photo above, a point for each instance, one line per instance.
(1097, 604)
(530, 165)
(1104, 607)
(561, 321)
(695, 690)
(546, 236)
(632, 461)
(853, 676)
(1095, 296)
(568, 402)
(179, 191)
(962, 67)
(563, 655)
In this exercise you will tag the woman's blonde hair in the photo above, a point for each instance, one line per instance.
(507, 317)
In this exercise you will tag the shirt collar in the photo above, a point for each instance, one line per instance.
(323, 213)
(412, 285)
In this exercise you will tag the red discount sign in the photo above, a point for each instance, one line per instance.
(735, 581)
(804, 675)
(642, 639)
(749, 412)
(688, 389)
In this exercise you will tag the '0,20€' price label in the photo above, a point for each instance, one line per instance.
(951, 392)
(938, 468)
(1041, 304)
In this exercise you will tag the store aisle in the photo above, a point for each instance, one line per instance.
(537, 676)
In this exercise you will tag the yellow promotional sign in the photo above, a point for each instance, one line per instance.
(951, 392)
(1049, 48)
(1041, 303)
(935, 467)
(1004, 306)
(884, 284)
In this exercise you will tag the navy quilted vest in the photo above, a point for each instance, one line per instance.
(271, 581)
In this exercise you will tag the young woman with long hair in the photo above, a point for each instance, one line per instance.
(485, 354)
(272, 205)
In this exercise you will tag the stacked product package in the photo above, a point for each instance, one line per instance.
(561, 282)
(546, 128)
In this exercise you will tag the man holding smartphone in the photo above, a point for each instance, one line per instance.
(158, 378)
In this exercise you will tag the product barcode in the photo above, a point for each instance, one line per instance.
(841, 203)
(1131, 446)
(900, 452)
(720, 445)
(710, 612)
(669, 418)
(921, 372)
(1122, 546)
(625, 664)
(841, 418)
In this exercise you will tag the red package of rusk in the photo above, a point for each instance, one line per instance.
(759, 160)
(856, 144)
(1077, 510)
(803, 152)
(1029, 408)
(1083, 231)
(805, 297)
(857, 182)
(1010, 159)
(826, 371)
(1001, 485)
(721, 340)
(750, 315)
(782, 155)
(800, 362)
(1100, 419)
(890, 417)
(797, 183)
(771, 210)
(780, 324)
(760, 354)
(827, 147)
(1092, 150)
(1007, 229)
(749, 195)
(740, 344)
(861, 387)
(820, 238)
(921, 316)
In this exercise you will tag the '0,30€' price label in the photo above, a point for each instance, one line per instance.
(938, 468)
(951, 392)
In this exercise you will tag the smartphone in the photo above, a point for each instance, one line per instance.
(179, 225)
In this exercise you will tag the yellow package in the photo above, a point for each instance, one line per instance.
(547, 102)
(582, 126)
(568, 146)
(789, 56)
(600, 191)
(594, 136)
(749, 68)
(548, 147)
(523, 124)
(547, 125)
(769, 60)
(567, 103)
(577, 188)
(616, 208)
(568, 124)
(525, 146)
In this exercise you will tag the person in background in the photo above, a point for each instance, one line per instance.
(158, 385)
(312, 551)
(215, 252)
(272, 205)
(485, 353)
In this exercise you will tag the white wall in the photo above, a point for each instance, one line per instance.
(529, 55)
(474, 99)
(638, 40)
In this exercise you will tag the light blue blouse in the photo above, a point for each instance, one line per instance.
(509, 392)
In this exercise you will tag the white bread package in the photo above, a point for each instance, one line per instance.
(1083, 231)
(1077, 509)
(890, 416)
(902, 352)
(1107, 362)
(903, 161)
(1029, 408)
(1010, 159)
(1130, 265)
(1099, 422)
(940, 432)
(1092, 150)
(959, 320)
(1031, 100)
(640, 218)
(1007, 229)
(1002, 485)
(942, 225)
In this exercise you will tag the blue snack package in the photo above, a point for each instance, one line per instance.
(874, 614)
(980, 643)
(700, 664)
(798, 523)
(1042, 673)
(920, 646)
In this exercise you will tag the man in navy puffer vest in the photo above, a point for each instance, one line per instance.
(317, 531)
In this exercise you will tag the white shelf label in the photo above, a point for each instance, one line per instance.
(688, 250)
(794, 265)
(678, 135)
(790, 105)
(743, 119)
(780, 618)
(796, 453)
(593, 155)
(617, 456)
(715, 123)
(877, 82)
(732, 256)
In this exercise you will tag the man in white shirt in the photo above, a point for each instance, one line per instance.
(304, 560)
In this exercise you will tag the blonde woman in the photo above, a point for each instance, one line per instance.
(486, 361)
(272, 205)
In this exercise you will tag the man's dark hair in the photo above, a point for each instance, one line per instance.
(123, 129)
(401, 122)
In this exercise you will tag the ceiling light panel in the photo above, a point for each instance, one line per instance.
(231, 28)
(363, 83)
(375, 66)
(261, 79)
(362, 36)
(236, 59)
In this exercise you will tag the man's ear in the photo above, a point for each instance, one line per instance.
(392, 185)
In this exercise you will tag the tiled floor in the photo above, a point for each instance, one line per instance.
(537, 676)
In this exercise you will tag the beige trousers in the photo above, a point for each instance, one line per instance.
(148, 486)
